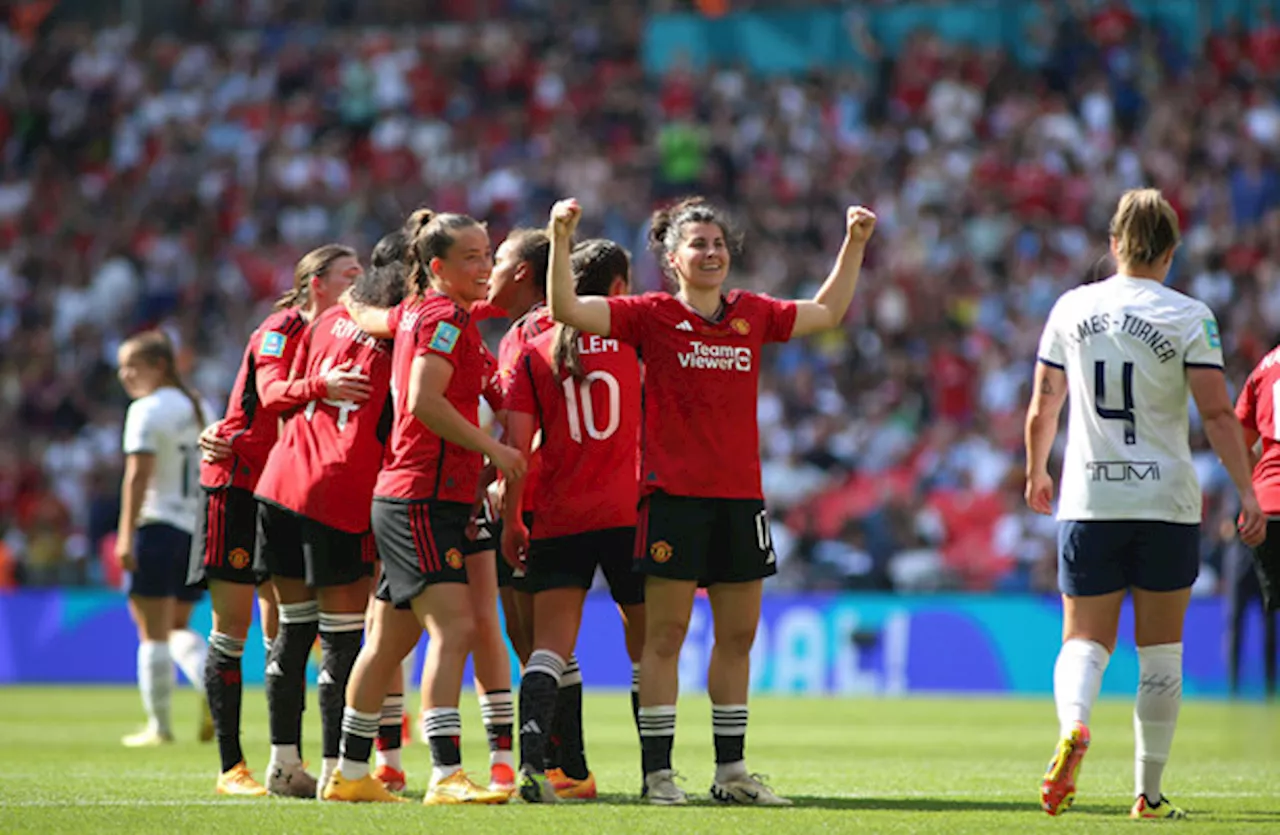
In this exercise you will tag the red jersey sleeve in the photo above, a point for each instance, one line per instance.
(629, 317)
(480, 311)
(444, 336)
(522, 396)
(281, 385)
(492, 390)
(394, 315)
(1247, 404)
(780, 318)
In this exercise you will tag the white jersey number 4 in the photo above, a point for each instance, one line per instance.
(1126, 411)
(344, 407)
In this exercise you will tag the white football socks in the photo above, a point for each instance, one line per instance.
(1077, 679)
(1155, 715)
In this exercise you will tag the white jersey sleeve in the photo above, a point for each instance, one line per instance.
(1125, 345)
(1204, 343)
(165, 425)
(141, 426)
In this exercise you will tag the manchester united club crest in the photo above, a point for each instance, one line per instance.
(741, 326)
(238, 558)
(660, 551)
(454, 557)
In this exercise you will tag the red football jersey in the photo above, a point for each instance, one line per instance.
(590, 449)
(249, 425)
(1256, 409)
(492, 390)
(523, 331)
(420, 464)
(700, 435)
(327, 459)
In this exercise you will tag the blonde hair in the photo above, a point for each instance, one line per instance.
(316, 262)
(156, 350)
(1145, 227)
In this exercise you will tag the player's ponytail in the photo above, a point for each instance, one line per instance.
(596, 265)
(154, 348)
(1144, 228)
(430, 236)
(315, 263)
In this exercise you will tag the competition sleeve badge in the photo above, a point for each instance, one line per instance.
(445, 339)
(273, 344)
(1211, 333)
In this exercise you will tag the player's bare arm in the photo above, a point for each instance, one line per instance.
(1047, 399)
(374, 321)
(827, 309)
(138, 469)
(515, 536)
(590, 314)
(428, 381)
(1222, 428)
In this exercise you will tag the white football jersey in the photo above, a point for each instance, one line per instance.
(1125, 344)
(164, 424)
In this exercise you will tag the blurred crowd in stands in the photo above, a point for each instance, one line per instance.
(173, 180)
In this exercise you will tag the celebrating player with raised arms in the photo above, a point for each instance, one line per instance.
(223, 550)
(1127, 351)
(313, 522)
(703, 519)
(422, 507)
(583, 392)
(158, 506)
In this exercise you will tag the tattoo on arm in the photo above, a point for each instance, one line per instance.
(1046, 385)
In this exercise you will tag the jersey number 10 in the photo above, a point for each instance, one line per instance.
(1126, 411)
(577, 398)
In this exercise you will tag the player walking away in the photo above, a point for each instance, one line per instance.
(223, 550)
(158, 507)
(422, 507)
(702, 519)
(489, 651)
(1256, 409)
(1127, 350)
(583, 392)
(313, 521)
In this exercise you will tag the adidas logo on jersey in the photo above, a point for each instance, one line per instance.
(325, 677)
(273, 669)
(531, 727)
(685, 326)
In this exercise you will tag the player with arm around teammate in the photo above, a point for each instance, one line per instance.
(490, 657)
(583, 392)
(158, 508)
(422, 507)
(223, 550)
(1127, 351)
(702, 519)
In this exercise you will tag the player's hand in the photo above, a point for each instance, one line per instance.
(565, 215)
(124, 555)
(515, 543)
(1040, 493)
(1252, 523)
(344, 382)
(860, 222)
(510, 461)
(212, 445)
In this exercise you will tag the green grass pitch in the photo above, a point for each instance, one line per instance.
(852, 765)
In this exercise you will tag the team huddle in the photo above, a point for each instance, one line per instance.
(350, 491)
(352, 486)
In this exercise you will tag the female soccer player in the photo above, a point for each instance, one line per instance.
(157, 516)
(584, 394)
(422, 507)
(489, 651)
(1127, 350)
(222, 552)
(702, 520)
(313, 521)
